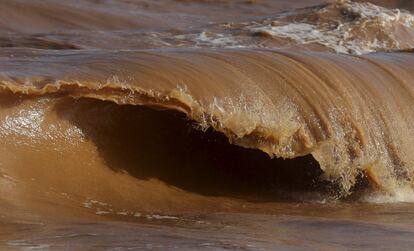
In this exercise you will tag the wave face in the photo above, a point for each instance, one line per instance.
(284, 103)
(169, 106)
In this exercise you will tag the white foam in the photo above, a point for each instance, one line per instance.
(216, 40)
(348, 37)
(403, 194)
(160, 217)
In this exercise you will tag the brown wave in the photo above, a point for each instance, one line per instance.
(241, 122)
(353, 114)
(199, 116)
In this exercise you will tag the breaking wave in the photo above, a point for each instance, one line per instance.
(139, 114)
(286, 104)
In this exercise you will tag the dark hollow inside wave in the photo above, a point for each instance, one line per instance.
(165, 145)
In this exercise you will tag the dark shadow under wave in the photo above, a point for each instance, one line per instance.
(165, 145)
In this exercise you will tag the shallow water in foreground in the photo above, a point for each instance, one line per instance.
(288, 227)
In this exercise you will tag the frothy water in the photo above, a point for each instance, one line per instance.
(346, 27)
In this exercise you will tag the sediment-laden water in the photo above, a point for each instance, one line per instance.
(185, 125)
